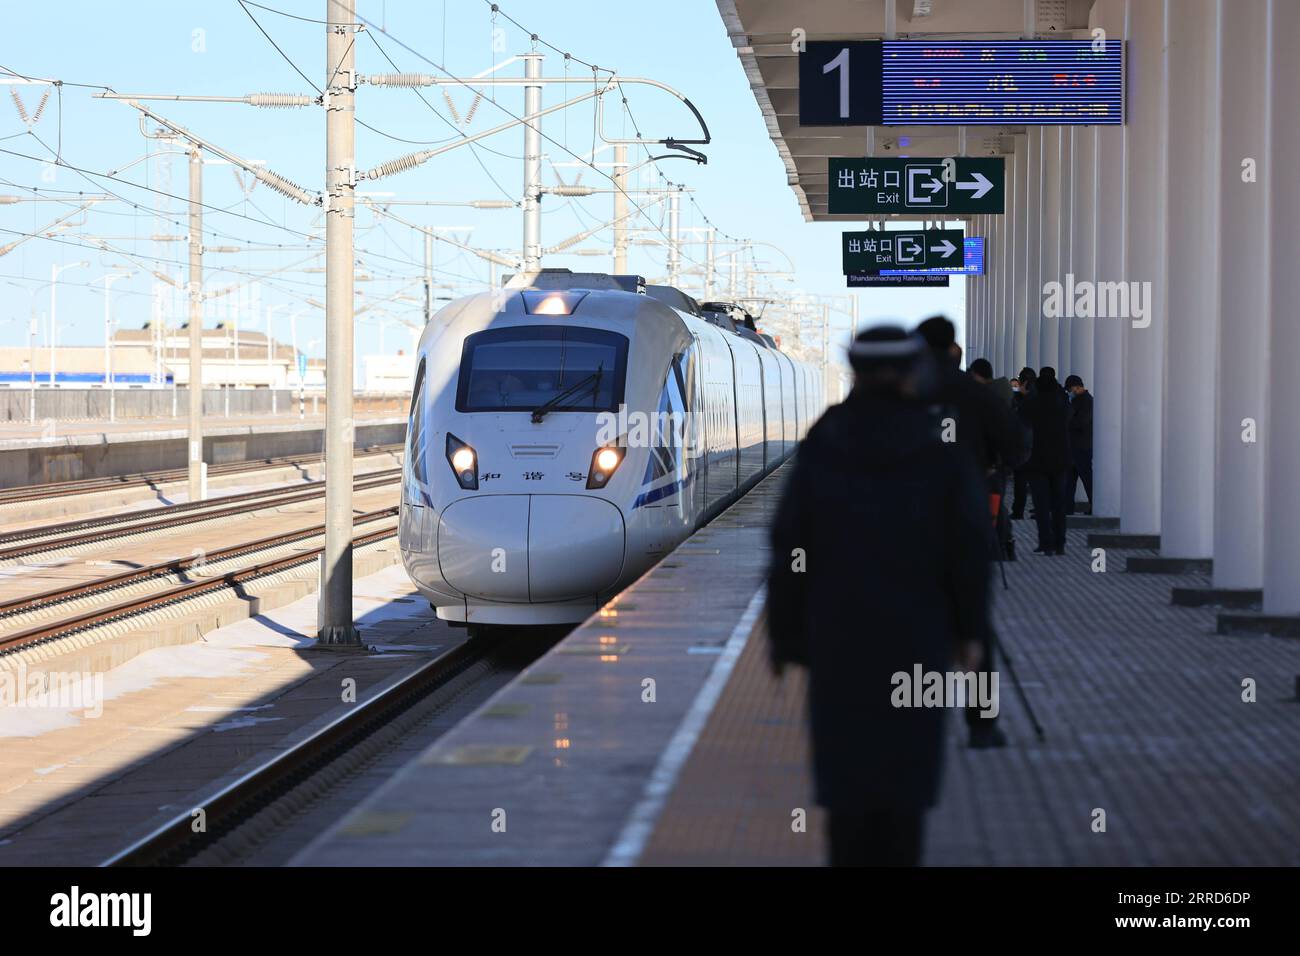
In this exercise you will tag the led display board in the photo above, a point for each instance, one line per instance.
(961, 83)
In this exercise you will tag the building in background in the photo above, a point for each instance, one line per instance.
(79, 366)
(232, 357)
(388, 373)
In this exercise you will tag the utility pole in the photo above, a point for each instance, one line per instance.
(731, 283)
(674, 236)
(298, 363)
(31, 366)
(109, 279)
(198, 469)
(620, 209)
(55, 270)
(708, 263)
(532, 260)
(336, 626)
(826, 350)
(428, 277)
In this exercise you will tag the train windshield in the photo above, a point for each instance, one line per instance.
(521, 368)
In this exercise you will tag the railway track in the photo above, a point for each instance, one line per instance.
(312, 776)
(180, 591)
(151, 479)
(75, 534)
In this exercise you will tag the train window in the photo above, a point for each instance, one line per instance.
(519, 368)
(684, 370)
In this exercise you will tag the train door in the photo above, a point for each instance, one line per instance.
(415, 479)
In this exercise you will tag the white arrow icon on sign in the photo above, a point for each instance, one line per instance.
(908, 249)
(980, 184)
(944, 249)
(935, 185)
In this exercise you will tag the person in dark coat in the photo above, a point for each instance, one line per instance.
(879, 565)
(1080, 427)
(1048, 411)
(986, 428)
(1025, 385)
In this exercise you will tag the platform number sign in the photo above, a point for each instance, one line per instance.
(944, 82)
(839, 83)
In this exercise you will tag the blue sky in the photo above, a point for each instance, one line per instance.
(215, 48)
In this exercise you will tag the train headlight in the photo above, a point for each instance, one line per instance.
(604, 462)
(463, 461)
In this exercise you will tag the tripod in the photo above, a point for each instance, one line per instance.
(996, 647)
(1000, 650)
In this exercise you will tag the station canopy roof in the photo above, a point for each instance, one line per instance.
(762, 31)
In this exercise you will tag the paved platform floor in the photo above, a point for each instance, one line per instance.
(1144, 717)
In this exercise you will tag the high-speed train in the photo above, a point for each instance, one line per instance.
(568, 431)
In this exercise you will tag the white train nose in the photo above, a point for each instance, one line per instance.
(522, 548)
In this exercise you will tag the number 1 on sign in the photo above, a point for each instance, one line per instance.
(841, 63)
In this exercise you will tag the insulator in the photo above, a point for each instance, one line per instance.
(18, 103)
(451, 107)
(40, 107)
(399, 165)
(285, 187)
(279, 100)
(473, 108)
(400, 79)
(570, 190)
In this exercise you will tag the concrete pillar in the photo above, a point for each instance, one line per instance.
(972, 298)
(1083, 249)
(1187, 493)
(1145, 264)
(1049, 242)
(1063, 242)
(1011, 287)
(1033, 225)
(1021, 296)
(1243, 293)
(1110, 211)
(1282, 439)
(994, 249)
(989, 315)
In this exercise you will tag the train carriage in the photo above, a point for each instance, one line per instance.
(568, 431)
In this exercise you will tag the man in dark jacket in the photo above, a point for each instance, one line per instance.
(981, 370)
(1080, 427)
(1025, 385)
(1047, 411)
(879, 567)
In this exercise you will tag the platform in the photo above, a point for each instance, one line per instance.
(1141, 700)
(70, 451)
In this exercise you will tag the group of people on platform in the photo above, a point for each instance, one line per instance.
(881, 555)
